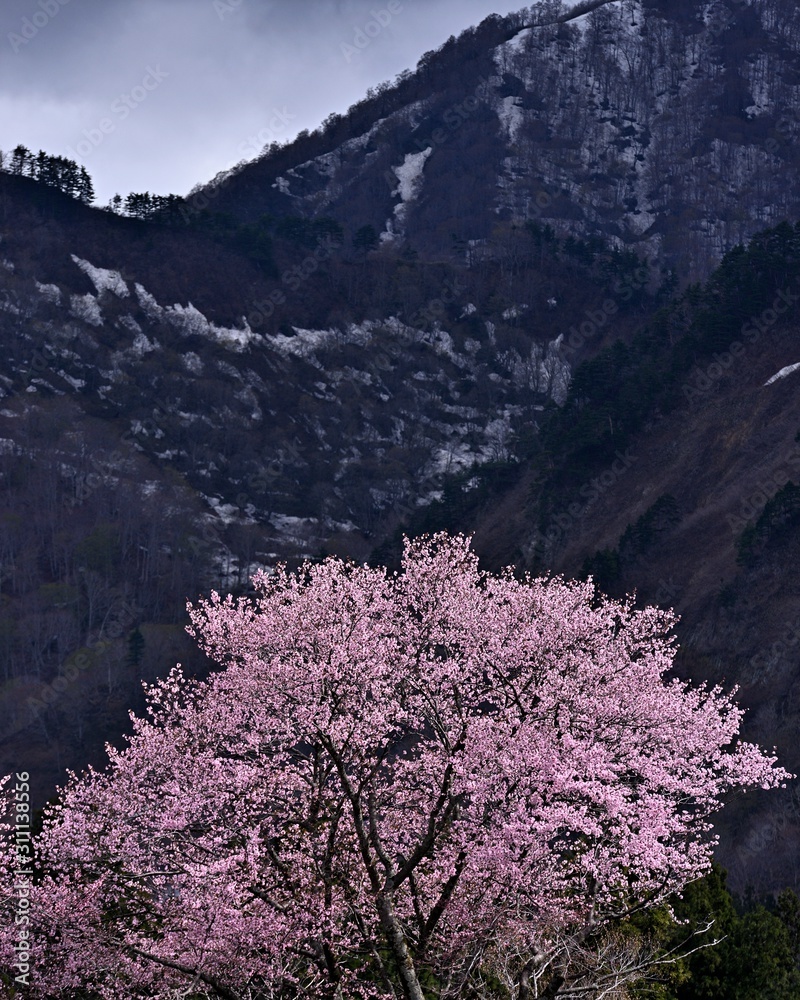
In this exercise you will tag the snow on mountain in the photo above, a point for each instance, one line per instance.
(190, 321)
(102, 279)
(624, 121)
(87, 308)
(783, 373)
(409, 176)
(51, 293)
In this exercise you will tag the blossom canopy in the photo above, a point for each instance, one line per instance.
(391, 779)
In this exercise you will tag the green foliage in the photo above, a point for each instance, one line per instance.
(787, 910)
(604, 568)
(758, 959)
(704, 975)
(135, 648)
(727, 954)
(639, 537)
(57, 172)
(614, 394)
(780, 516)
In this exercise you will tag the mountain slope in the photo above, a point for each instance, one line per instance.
(669, 127)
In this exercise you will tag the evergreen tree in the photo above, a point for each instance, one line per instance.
(135, 648)
(85, 190)
(21, 161)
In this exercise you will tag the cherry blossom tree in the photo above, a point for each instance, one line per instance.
(435, 783)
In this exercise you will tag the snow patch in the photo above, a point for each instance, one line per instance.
(192, 363)
(130, 324)
(102, 279)
(783, 373)
(409, 177)
(151, 308)
(544, 371)
(141, 345)
(76, 383)
(189, 321)
(50, 293)
(409, 174)
(226, 512)
(86, 307)
(511, 116)
(518, 42)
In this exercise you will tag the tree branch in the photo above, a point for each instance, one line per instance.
(441, 903)
(216, 986)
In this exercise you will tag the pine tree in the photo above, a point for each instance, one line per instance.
(85, 187)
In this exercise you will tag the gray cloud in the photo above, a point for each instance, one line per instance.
(161, 94)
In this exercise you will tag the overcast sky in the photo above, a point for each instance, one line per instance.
(159, 95)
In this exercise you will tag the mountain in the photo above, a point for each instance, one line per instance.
(543, 288)
(665, 126)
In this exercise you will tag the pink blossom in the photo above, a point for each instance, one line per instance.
(389, 775)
